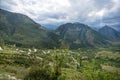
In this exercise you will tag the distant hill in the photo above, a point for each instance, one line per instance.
(19, 29)
(110, 33)
(77, 35)
(116, 27)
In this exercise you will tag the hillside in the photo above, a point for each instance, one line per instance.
(21, 30)
(59, 64)
(110, 33)
(77, 35)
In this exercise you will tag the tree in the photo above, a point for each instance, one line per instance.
(58, 62)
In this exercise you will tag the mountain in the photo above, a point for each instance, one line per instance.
(110, 33)
(50, 26)
(19, 29)
(116, 27)
(77, 35)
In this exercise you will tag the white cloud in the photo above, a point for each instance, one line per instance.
(61, 11)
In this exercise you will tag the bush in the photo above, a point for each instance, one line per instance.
(37, 73)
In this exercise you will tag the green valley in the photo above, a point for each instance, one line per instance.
(73, 51)
(59, 64)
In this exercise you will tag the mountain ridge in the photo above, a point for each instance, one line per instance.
(21, 30)
(110, 33)
(80, 35)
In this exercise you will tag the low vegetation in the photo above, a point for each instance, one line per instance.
(59, 64)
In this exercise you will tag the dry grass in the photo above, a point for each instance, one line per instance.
(110, 68)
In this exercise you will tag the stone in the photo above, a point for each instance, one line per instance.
(1, 48)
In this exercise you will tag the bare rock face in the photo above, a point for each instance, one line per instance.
(1, 48)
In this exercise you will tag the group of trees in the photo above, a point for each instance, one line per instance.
(57, 64)
(90, 68)
(46, 71)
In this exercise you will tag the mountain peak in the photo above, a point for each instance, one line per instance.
(77, 35)
(107, 27)
(110, 33)
(21, 30)
(73, 25)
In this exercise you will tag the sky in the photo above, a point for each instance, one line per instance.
(52, 13)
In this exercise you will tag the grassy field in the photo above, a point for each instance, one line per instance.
(59, 64)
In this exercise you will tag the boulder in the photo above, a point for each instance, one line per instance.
(1, 48)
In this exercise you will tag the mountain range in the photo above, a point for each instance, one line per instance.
(19, 29)
(116, 27)
(110, 33)
(77, 35)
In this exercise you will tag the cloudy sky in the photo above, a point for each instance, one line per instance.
(55, 12)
